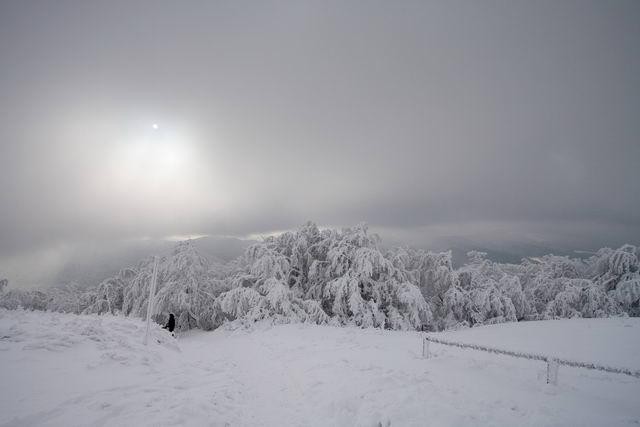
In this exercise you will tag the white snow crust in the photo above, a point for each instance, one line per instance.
(67, 370)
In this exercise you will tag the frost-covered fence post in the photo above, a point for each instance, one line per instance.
(552, 371)
(152, 294)
(425, 349)
(425, 345)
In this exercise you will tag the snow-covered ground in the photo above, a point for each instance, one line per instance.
(67, 370)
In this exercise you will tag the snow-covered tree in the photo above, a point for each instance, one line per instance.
(627, 294)
(612, 266)
(345, 277)
(511, 287)
(239, 302)
(186, 287)
(542, 278)
(108, 297)
(68, 298)
(484, 294)
(313, 275)
(363, 287)
(580, 298)
(455, 309)
(432, 272)
(412, 305)
(27, 299)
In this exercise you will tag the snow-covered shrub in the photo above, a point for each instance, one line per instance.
(315, 313)
(431, 272)
(411, 303)
(627, 294)
(610, 266)
(279, 300)
(580, 298)
(109, 295)
(512, 288)
(484, 294)
(69, 298)
(238, 302)
(347, 303)
(594, 302)
(623, 260)
(26, 299)
(456, 302)
(488, 304)
(274, 301)
(266, 263)
(564, 304)
(13, 299)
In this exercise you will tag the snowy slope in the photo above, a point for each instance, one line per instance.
(88, 370)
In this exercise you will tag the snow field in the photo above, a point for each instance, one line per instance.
(93, 370)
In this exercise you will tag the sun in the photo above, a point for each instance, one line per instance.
(158, 168)
(152, 160)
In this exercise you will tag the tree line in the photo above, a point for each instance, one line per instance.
(346, 277)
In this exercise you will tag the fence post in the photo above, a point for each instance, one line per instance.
(425, 344)
(552, 371)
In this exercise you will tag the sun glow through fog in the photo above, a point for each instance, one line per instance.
(154, 158)
(154, 166)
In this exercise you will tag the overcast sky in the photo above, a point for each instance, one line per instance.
(480, 119)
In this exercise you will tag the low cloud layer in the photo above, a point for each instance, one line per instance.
(499, 120)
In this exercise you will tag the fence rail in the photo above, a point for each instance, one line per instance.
(552, 362)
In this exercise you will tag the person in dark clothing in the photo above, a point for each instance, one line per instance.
(171, 324)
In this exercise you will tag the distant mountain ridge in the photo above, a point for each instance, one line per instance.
(88, 265)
